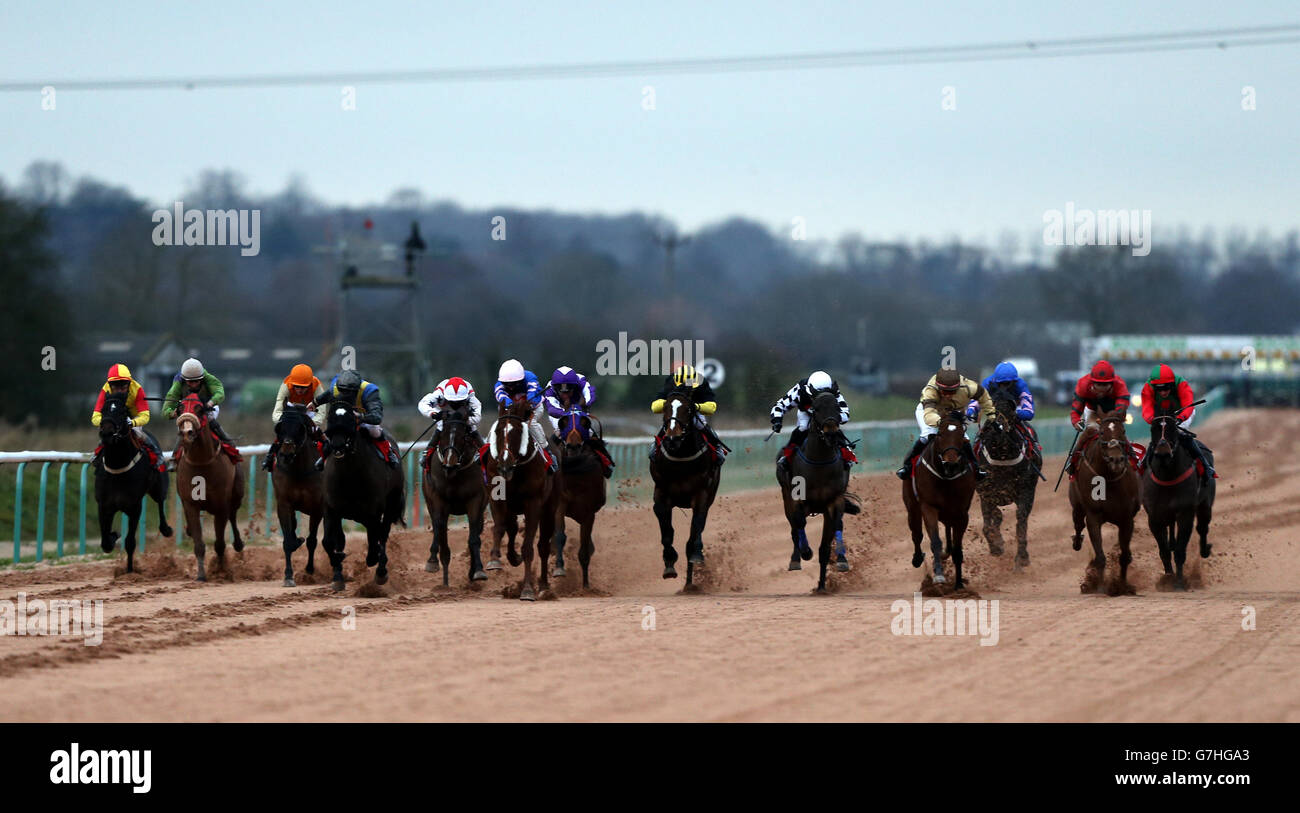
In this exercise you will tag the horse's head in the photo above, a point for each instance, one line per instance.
(511, 443)
(341, 424)
(517, 407)
(826, 414)
(950, 440)
(455, 430)
(1164, 430)
(1113, 441)
(293, 431)
(678, 420)
(113, 417)
(191, 419)
(575, 428)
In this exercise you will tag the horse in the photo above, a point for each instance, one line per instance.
(123, 476)
(1173, 497)
(1108, 492)
(453, 484)
(1013, 466)
(208, 480)
(940, 490)
(298, 485)
(520, 482)
(685, 475)
(815, 481)
(582, 490)
(362, 487)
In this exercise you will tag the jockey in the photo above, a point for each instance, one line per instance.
(687, 381)
(515, 384)
(570, 390)
(349, 386)
(194, 380)
(300, 386)
(1097, 393)
(120, 382)
(1007, 383)
(800, 397)
(452, 392)
(1169, 394)
(946, 391)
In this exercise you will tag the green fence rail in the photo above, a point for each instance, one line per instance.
(881, 446)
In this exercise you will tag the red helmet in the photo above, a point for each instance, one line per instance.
(1103, 372)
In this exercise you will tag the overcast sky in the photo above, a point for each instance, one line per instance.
(866, 149)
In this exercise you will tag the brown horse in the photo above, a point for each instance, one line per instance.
(1174, 497)
(520, 482)
(1104, 489)
(298, 485)
(453, 484)
(940, 490)
(581, 491)
(208, 480)
(686, 475)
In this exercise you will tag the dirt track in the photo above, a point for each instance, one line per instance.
(754, 645)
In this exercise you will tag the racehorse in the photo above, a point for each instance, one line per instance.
(362, 487)
(581, 490)
(1013, 466)
(208, 479)
(1173, 496)
(520, 482)
(123, 476)
(815, 481)
(940, 490)
(298, 485)
(453, 484)
(685, 475)
(1104, 489)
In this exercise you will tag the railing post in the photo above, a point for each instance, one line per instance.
(63, 482)
(179, 513)
(81, 548)
(40, 512)
(269, 502)
(144, 516)
(18, 513)
(252, 488)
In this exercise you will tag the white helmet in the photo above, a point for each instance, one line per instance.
(511, 370)
(192, 370)
(820, 382)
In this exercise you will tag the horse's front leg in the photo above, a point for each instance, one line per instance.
(830, 521)
(664, 513)
(992, 524)
(476, 572)
(312, 526)
(291, 541)
(107, 536)
(333, 541)
(132, 526)
(955, 532)
(1024, 506)
(930, 518)
(528, 589)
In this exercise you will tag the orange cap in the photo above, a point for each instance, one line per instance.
(300, 376)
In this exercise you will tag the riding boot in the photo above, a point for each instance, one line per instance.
(796, 438)
(717, 443)
(846, 449)
(598, 443)
(320, 461)
(479, 442)
(969, 452)
(270, 456)
(917, 446)
(220, 433)
(1199, 453)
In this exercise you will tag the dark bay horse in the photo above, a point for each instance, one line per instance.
(685, 475)
(1013, 467)
(520, 482)
(208, 480)
(1174, 498)
(123, 476)
(298, 486)
(453, 484)
(940, 490)
(359, 486)
(815, 481)
(581, 490)
(1105, 489)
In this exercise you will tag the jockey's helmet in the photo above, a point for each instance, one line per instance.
(1103, 372)
(511, 370)
(819, 381)
(947, 380)
(564, 379)
(119, 372)
(300, 376)
(456, 390)
(192, 369)
(349, 381)
(686, 376)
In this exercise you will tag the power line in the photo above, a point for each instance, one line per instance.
(1221, 38)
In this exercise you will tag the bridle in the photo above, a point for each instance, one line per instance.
(450, 456)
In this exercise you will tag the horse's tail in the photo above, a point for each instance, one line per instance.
(400, 519)
(852, 503)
